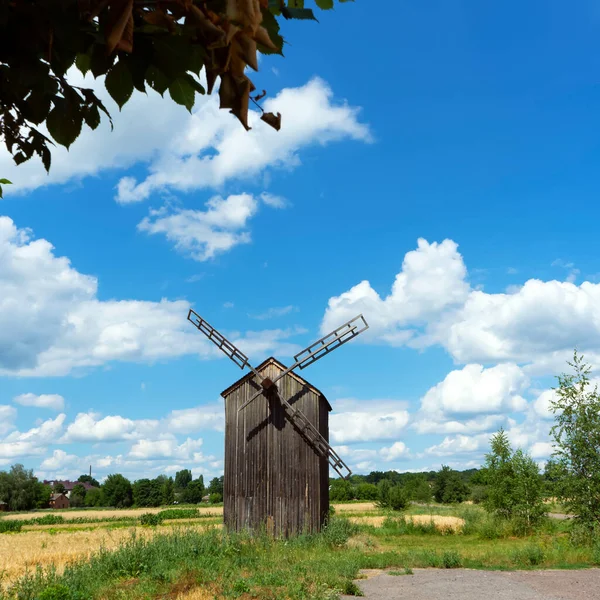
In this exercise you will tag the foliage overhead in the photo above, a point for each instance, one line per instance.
(135, 44)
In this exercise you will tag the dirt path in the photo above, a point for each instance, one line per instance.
(467, 584)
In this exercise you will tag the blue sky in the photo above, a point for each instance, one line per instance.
(436, 171)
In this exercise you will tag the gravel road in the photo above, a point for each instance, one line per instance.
(467, 584)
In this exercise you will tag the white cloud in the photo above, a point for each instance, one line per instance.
(541, 404)
(8, 414)
(204, 234)
(59, 460)
(366, 421)
(432, 280)
(52, 401)
(459, 444)
(188, 420)
(473, 399)
(89, 427)
(211, 148)
(541, 450)
(274, 201)
(396, 451)
(537, 325)
(51, 321)
(18, 444)
(163, 449)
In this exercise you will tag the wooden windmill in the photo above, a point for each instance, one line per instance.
(277, 452)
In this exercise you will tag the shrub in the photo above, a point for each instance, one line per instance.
(179, 513)
(397, 498)
(530, 555)
(49, 520)
(55, 592)
(150, 519)
(338, 531)
(10, 526)
(451, 559)
(215, 498)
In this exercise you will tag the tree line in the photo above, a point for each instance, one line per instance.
(21, 490)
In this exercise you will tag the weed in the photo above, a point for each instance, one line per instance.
(451, 559)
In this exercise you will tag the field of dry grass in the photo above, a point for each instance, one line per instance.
(99, 515)
(24, 551)
(442, 523)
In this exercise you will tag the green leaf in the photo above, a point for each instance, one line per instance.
(298, 13)
(83, 62)
(198, 87)
(100, 62)
(324, 4)
(157, 80)
(36, 107)
(119, 83)
(5, 182)
(64, 123)
(92, 117)
(182, 92)
(196, 59)
(270, 23)
(172, 55)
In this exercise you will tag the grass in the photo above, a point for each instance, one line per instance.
(191, 558)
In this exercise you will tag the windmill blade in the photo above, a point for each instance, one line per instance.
(320, 348)
(330, 342)
(313, 435)
(237, 356)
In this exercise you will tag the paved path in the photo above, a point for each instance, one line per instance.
(467, 584)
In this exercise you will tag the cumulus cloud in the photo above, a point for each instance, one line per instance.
(188, 420)
(8, 414)
(211, 148)
(167, 449)
(52, 401)
(51, 321)
(473, 399)
(396, 451)
(18, 444)
(91, 427)
(355, 421)
(204, 234)
(431, 303)
(59, 460)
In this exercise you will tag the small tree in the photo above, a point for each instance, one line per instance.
(42, 495)
(515, 487)
(449, 487)
(397, 498)
(94, 497)
(576, 435)
(78, 494)
(183, 479)
(117, 491)
(59, 488)
(383, 493)
(88, 479)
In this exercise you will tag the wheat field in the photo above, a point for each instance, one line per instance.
(99, 515)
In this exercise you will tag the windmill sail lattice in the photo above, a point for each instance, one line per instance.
(303, 359)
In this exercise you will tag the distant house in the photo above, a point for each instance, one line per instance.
(59, 501)
(206, 498)
(3, 507)
(69, 485)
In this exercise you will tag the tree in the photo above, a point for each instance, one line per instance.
(500, 475)
(147, 492)
(95, 497)
(397, 498)
(164, 45)
(77, 496)
(18, 488)
(59, 488)
(194, 492)
(554, 476)
(43, 493)
(515, 487)
(576, 435)
(117, 491)
(167, 490)
(383, 493)
(449, 487)
(88, 479)
(183, 479)
(366, 491)
(216, 486)
(341, 490)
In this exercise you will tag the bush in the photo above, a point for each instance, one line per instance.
(10, 526)
(215, 498)
(531, 555)
(55, 592)
(179, 513)
(338, 531)
(451, 559)
(150, 519)
(397, 498)
(49, 520)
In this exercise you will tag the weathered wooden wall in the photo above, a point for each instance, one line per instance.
(273, 477)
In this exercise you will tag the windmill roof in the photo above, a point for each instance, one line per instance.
(271, 360)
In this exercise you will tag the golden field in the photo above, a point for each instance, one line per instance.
(99, 515)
